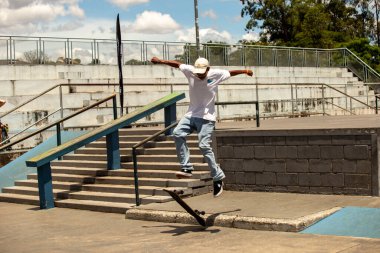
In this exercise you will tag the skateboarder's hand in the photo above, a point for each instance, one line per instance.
(155, 60)
(249, 72)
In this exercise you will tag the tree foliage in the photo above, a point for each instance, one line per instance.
(310, 23)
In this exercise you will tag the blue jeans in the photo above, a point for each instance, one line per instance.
(204, 128)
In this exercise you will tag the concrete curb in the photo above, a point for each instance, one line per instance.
(232, 221)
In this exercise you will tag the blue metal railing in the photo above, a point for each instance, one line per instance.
(111, 131)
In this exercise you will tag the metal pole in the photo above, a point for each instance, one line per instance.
(61, 102)
(291, 98)
(136, 179)
(323, 99)
(196, 27)
(59, 139)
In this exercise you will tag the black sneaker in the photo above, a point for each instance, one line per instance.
(184, 174)
(218, 188)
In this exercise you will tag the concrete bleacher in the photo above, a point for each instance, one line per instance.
(146, 83)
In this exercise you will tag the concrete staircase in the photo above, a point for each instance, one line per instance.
(82, 181)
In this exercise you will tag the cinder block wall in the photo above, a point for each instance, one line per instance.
(312, 161)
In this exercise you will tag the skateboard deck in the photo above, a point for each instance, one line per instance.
(195, 213)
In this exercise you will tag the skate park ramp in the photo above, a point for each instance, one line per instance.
(349, 221)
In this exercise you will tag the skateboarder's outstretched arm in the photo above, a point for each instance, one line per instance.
(248, 72)
(174, 64)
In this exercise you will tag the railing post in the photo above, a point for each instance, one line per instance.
(61, 101)
(114, 106)
(323, 99)
(113, 151)
(257, 114)
(134, 157)
(291, 98)
(170, 117)
(45, 186)
(377, 103)
(59, 139)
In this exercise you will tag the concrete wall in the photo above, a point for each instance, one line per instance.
(313, 161)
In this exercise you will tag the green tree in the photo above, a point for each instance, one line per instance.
(367, 52)
(309, 23)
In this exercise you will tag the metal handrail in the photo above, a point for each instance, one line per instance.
(52, 88)
(35, 123)
(134, 157)
(350, 97)
(255, 102)
(363, 64)
(29, 100)
(58, 122)
(111, 130)
(343, 109)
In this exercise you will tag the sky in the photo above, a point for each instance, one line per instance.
(150, 20)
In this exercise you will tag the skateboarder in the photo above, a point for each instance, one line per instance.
(200, 117)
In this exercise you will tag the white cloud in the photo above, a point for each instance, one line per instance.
(152, 22)
(126, 3)
(251, 37)
(205, 35)
(210, 14)
(76, 11)
(28, 16)
(69, 26)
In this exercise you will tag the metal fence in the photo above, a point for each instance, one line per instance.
(48, 50)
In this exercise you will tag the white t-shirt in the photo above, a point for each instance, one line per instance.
(203, 92)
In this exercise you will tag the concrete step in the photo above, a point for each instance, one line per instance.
(134, 138)
(164, 166)
(117, 197)
(168, 144)
(112, 188)
(20, 199)
(167, 158)
(122, 144)
(128, 189)
(126, 165)
(158, 182)
(139, 131)
(169, 151)
(146, 173)
(98, 206)
(82, 157)
(70, 186)
(94, 172)
(68, 178)
(80, 164)
(33, 191)
(103, 151)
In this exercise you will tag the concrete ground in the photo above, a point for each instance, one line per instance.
(25, 228)
(254, 210)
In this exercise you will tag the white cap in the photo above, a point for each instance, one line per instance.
(200, 66)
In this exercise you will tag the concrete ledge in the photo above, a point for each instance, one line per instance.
(232, 221)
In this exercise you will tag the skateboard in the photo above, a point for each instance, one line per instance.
(195, 213)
